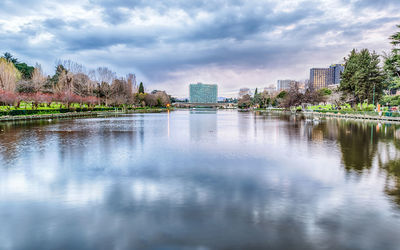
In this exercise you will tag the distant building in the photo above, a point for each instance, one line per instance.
(270, 89)
(244, 91)
(203, 93)
(284, 84)
(325, 77)
(337, 70)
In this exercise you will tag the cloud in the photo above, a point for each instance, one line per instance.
(162, 41)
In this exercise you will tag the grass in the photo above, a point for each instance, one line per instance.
(56, 108)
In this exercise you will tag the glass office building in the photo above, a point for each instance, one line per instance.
(203, 93)
(324, 77)
(337, 70)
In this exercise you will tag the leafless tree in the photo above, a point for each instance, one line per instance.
(9, 75)
(38, 78)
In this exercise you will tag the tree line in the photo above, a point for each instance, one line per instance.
(71, 83)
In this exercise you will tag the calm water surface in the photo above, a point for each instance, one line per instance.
(199, 180)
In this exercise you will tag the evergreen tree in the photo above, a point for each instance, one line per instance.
(10, 58)
(395, 39)
(26, 70)
(141, 88)
(257, 98)
(392, 64)
(362, 76)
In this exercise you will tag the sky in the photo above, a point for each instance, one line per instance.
(169, 44)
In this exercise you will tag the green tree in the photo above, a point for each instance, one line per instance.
(141, 88)
(10, 58)
(325, 91)
(392, 64)
(26, 70)
(362, 76)
(282, 94)
(244, 102)
(257, 98)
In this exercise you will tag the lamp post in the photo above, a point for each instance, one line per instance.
(373, 96)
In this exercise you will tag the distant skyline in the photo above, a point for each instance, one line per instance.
(172, 43)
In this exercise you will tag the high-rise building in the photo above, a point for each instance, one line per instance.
(244, 91)
(270, 89)
(337, 70)
(284, 84)
(320, 77)
(325, 77)
(203, 93)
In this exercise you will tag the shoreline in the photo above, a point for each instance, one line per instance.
(76, 114)
(358, 117)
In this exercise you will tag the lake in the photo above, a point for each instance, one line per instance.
(199, 180)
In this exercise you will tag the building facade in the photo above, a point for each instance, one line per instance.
(203, 93)
(337, 70)
(244, 91)
(270, 89)
(325, 77)
(284, 84)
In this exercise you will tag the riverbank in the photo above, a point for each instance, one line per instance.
(355, 116)
(79, 114)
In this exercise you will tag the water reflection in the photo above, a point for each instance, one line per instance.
(189, 180)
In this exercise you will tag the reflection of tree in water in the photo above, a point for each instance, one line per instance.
(14, 136)
(392, 185)
(358, 144)
(392, 170)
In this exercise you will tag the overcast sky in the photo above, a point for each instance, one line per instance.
(171, 43)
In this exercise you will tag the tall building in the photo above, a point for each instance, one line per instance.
(337, 70)
(244, 91)
(324, 77)
(203, 93)
(320, 77)
(270, 89)
(284, 84)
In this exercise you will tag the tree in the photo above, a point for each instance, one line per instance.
(244, 102)
(294, 97)
(257, 98)
(362, 76)
(311, 96)
(10, 58)
(9, 75)
(38, 79)
(25, 86)
(162, 98)
(395, 39)
(265, 99)
(26, 70)
(141, 88)
(391, 65)
(325, 91)
(282, 94)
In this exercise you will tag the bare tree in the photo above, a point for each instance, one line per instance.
(103, 74)
(132, 85)
(9, 75)
(38, 78)
(72, 66)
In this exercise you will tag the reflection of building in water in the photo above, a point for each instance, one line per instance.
(203, 124)
(317, 135)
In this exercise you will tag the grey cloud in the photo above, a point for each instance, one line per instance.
(235, 34)
(54, 23)
(376, 4)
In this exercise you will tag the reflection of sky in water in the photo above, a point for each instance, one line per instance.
(198, 180)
